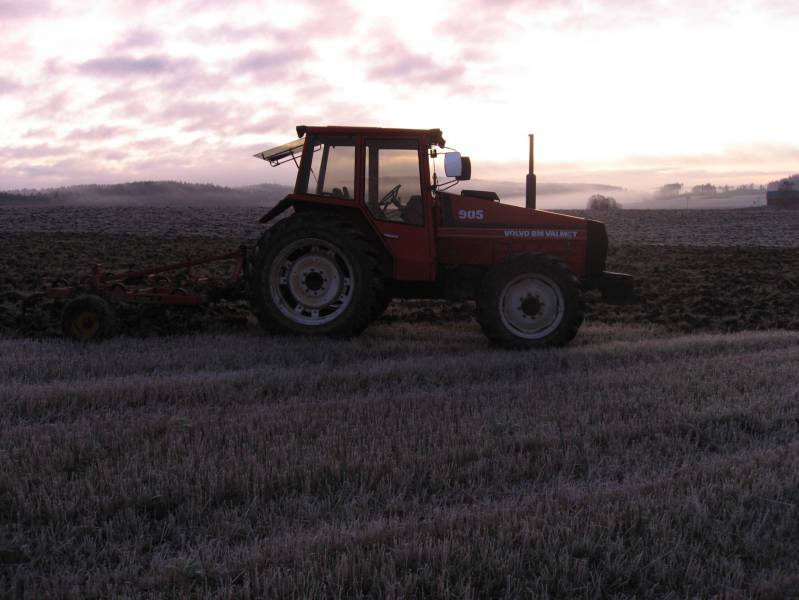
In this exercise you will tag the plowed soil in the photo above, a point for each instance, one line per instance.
(742, 273)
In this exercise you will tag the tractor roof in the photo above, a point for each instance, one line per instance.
(287, 151)
(434, 136)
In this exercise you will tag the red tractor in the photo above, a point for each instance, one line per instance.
(371, 221)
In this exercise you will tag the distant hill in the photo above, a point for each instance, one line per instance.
(514, 188)
(148, 193)
(176, 193)
(21, 199)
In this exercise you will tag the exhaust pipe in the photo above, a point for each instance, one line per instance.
(530, 187)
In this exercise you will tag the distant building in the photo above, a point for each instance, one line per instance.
(783, 193)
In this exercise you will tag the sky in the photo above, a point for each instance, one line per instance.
(636, 94)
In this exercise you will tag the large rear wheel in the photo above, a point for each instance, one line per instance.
(316, 275)
(530, 301)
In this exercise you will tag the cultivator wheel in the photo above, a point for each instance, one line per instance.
(530, 301)
(316, 274)
(88, 318)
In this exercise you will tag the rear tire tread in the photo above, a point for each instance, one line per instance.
(346, 235)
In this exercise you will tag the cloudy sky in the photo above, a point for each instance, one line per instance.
(632, 93)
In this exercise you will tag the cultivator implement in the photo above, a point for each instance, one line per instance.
(89, 309)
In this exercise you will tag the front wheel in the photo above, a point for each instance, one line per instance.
(316, 276)
(530, 301)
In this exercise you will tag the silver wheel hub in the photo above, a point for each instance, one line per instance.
(532, 306)
(311, 281)
(314, 280)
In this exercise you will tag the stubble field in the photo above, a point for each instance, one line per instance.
(655, 456)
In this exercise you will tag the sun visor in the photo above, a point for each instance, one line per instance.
(280, 154)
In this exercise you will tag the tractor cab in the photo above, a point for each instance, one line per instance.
(382, 173)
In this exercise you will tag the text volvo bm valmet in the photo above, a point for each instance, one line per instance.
(370, 220)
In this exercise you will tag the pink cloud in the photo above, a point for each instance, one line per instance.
(393, 61)
(34, 151)
(49, 107)
(123, 66)
(229, 33)
(8, 85)
(336, 18)
(260, 61)
(10, 9)
(100, 133)
(138, 38)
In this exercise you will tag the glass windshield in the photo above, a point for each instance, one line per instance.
(393, 182)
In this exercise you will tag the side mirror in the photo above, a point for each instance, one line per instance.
(457, 166)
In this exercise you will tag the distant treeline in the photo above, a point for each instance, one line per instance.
(707, 189)
(148, 193)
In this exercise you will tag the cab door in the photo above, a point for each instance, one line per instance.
(398, 203)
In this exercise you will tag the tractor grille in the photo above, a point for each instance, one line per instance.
(597, 247)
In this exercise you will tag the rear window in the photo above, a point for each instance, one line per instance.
(329, 170)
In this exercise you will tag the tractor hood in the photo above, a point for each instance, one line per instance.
(581, 243)
(476, 209)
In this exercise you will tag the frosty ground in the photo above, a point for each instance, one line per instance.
(413, 461)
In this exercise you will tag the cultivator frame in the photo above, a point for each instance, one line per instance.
(157, 287)
(89, 307)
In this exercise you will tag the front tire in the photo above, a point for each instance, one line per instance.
(316, 275)
(530, 301)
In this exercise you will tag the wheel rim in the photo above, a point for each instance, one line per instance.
(532, 306)
(311, 282)
(85, 325)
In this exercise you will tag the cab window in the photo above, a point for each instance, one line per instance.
(329, 169)
(393, 181)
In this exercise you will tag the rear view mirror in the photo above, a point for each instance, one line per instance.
(457, 166)
(452, 164)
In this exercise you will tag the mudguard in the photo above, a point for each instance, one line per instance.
(277, 209)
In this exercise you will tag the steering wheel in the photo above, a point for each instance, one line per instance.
(391, 198)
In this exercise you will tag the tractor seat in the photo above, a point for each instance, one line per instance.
(342, 192)
(413, 212)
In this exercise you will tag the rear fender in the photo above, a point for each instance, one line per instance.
(351, 213)
(277, 209)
